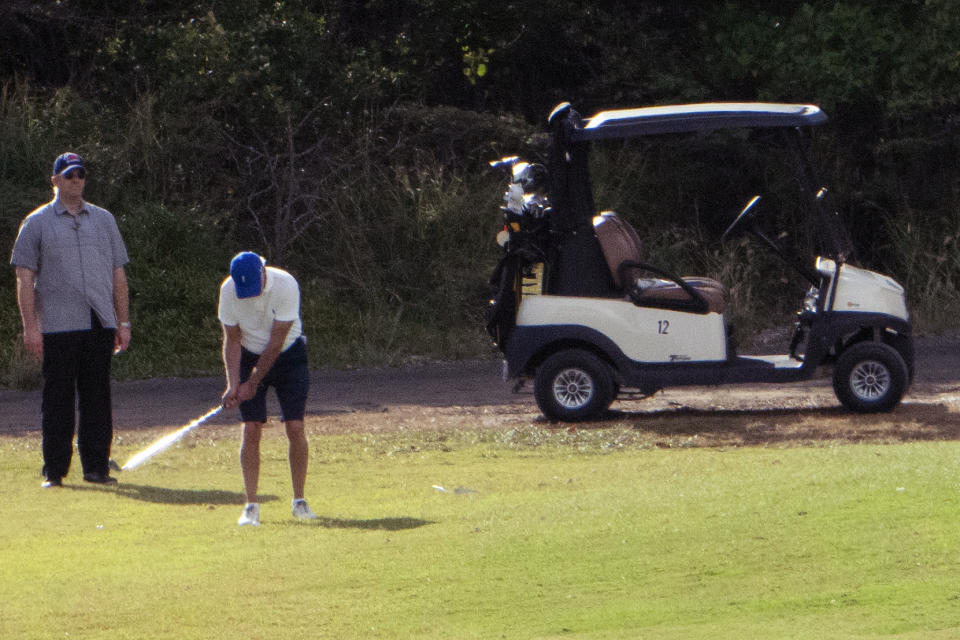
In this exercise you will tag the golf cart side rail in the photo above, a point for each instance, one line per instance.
(626, 123)
(529, 346)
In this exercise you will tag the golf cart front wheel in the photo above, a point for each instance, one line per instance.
(573, 385)
(870, 377)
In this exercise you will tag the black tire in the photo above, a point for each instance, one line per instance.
(870, 377)
(573, 385)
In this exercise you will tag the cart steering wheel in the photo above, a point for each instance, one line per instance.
(744, 222)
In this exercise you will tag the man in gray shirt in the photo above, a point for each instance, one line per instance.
(72, 292)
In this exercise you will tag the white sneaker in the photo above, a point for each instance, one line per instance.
(302, 510)
(250, 515)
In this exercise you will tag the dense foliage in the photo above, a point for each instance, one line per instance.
(348, 141)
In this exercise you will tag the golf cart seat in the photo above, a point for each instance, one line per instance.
(646, 285)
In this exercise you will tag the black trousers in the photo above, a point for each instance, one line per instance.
(76, 366)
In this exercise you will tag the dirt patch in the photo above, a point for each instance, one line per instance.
(472, 395)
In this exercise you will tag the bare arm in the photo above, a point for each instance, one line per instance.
(32, 336)
(231, 364)
(241, 392)
(121, 307)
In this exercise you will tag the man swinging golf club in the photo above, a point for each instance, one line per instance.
(263, 346)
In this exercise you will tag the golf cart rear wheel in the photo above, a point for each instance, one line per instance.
(573, 385)
(870, 377)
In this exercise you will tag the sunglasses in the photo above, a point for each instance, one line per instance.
(79, 174)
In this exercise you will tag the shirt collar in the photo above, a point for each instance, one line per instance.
(60, 209)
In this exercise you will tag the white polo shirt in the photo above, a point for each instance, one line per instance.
(279, 300)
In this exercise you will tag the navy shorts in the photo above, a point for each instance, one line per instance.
(290, 378)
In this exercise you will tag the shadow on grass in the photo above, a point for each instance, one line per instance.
(375, 524)
(164, 495)
(911, 421)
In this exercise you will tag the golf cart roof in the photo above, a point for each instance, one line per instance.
(627, 123)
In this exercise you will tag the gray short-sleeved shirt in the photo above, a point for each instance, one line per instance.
(74, 258)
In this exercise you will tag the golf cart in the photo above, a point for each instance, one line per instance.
(578, 309)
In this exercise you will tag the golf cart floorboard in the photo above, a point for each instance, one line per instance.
(763, 368)
(741, 369)
(779, 361)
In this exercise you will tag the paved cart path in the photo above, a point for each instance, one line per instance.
(467, 394)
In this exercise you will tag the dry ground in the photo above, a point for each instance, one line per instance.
(471, 395)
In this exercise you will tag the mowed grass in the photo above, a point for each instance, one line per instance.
(527, 533)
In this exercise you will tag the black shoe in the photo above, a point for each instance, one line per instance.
(99, 478)
(52, 482)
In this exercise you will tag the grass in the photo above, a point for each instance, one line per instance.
(538, 534)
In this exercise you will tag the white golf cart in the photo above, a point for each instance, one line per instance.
(577, 309)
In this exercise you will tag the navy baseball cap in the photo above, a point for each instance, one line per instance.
(66, 162)
(246, 269)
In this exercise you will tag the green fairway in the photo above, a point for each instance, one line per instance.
(526, 533)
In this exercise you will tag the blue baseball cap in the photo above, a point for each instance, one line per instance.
(66, 162)
(246, 269)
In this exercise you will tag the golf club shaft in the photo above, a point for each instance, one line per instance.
(168, 440)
